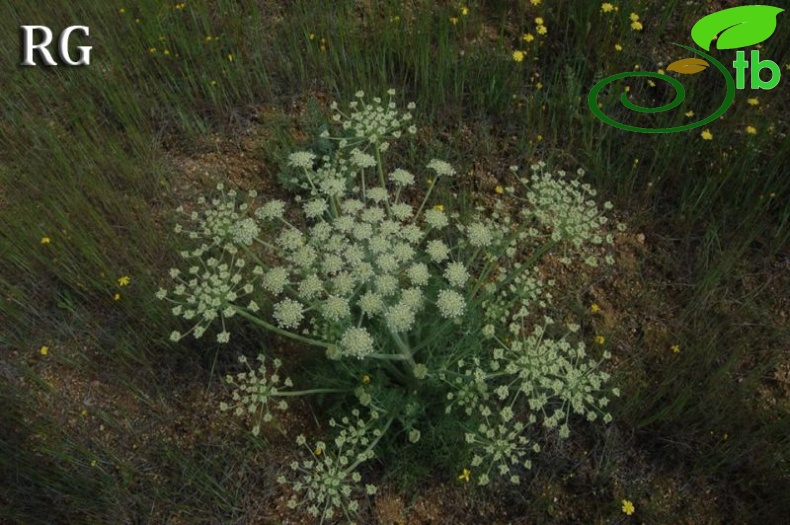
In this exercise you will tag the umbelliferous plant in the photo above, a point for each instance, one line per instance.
(428, 319)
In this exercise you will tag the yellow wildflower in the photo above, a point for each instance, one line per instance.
(618, 47)
(518, 56)
(754, 101)
(464, 11)
(689, 113)
(124, 280)
(606, 7)
(528, 37)
(454, 20)
(365, 379)
(539, 21)
(439, 207)
(166, 52)
(122, 10)
(465, 475)
(599, 339)
(594, 308)
(706, 135)
(116, 297)
(318, 451)
(499, 189)
(230, 57)
(675, 349)
(751, 130)
(541, 30)
(535, 2)
(636, 26)
(634, 17)
(44, 350)
(628, 507)
(46, 240)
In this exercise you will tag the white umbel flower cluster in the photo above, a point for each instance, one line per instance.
(256, 391)
(327, 481)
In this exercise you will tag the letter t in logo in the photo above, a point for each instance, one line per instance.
(741, 65)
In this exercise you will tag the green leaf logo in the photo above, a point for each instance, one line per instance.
(736, 27)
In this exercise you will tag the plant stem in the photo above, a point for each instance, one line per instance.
(285, 333)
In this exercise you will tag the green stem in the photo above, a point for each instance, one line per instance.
(389, 357)
(427, 196)
(285, 333)
(308, 392)
(380, 167)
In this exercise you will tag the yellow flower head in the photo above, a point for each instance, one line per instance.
(618, 47)
(636, 26)
(754, 101)
(230, 57)
(628, 507)
(689, 113)
(599, 339)
(594, 308)
(499, 189)
(365, 379)
(538, 21)
(46, 240)
(535, 2)
(606, 7)
(518, 56)
(464, 11)
(675, 349)
(124, 281)
(528, 37)
(751, 130)
(439, 207)
(465, 475)
(541, 30)
(706, 135)
(634, 17)
(122, 10)
(453, 20)
(44, 350)
(318, 451)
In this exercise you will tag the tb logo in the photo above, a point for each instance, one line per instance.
(28, 46)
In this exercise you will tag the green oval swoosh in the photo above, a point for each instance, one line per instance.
(680, 93)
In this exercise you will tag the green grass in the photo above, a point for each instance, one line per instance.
(86, 160)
